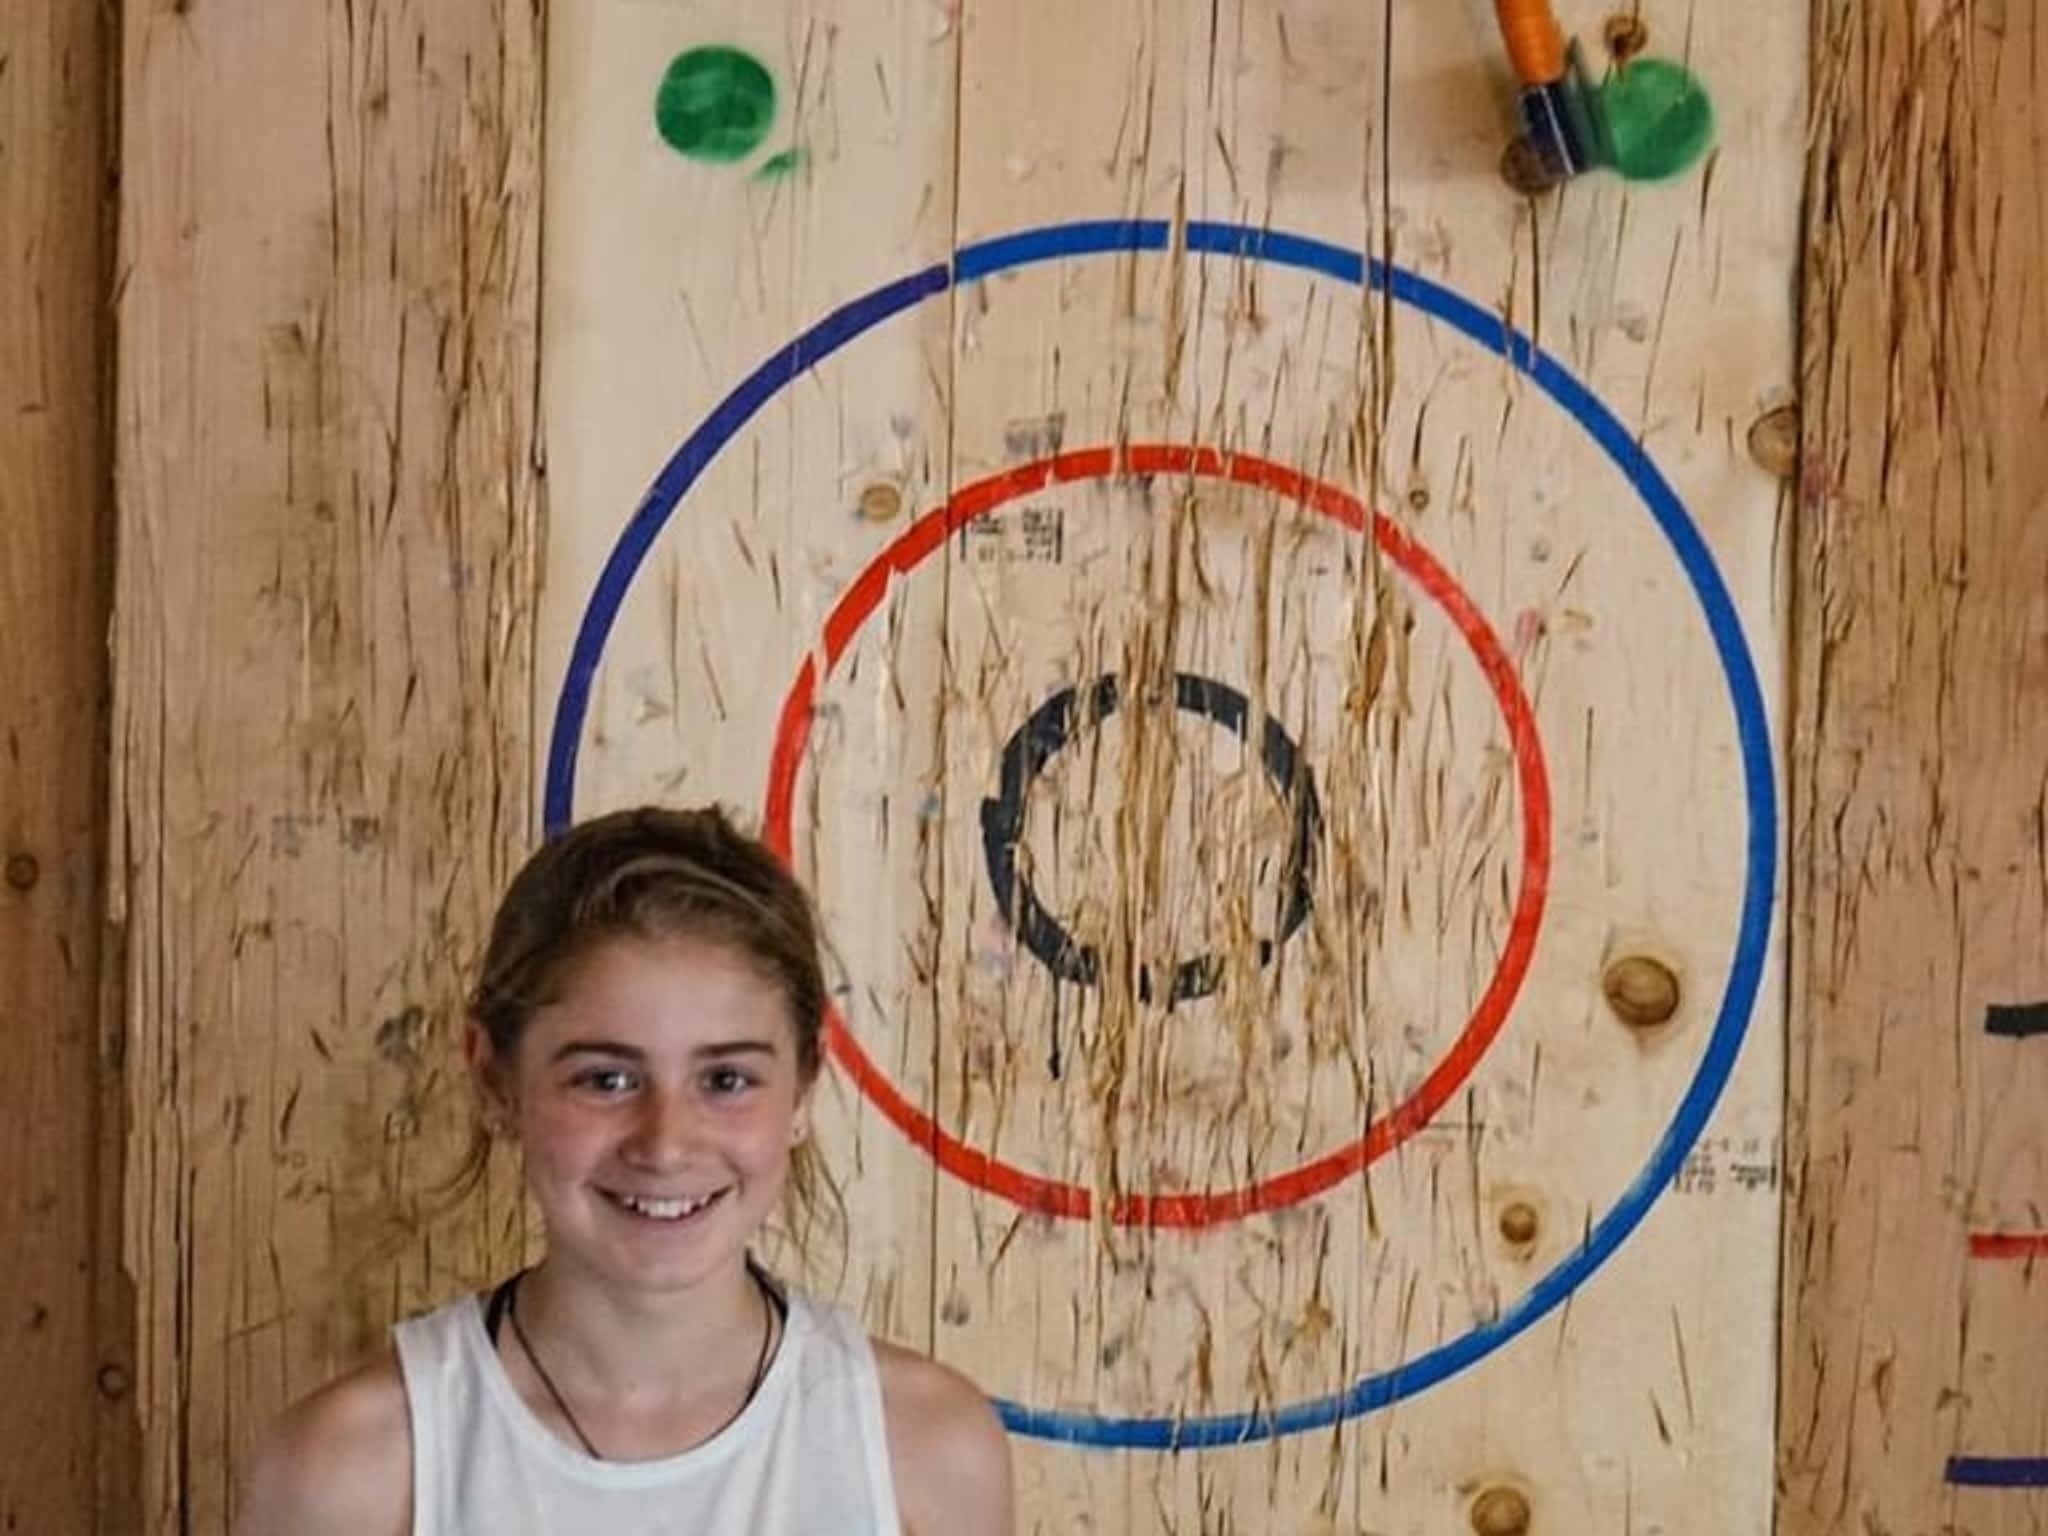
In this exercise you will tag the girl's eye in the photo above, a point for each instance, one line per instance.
(610, 1081)
(725, 1081)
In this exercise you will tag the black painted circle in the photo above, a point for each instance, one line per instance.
(1045, 735)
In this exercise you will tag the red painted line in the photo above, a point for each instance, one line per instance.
(790, 733)
(2009, 1245)
(1055, 1197)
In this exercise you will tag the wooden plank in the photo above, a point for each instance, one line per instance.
(327, 512)
(1647, 1399)
(683, 266)
(1913, 1381)
(1156, 835)
(60, 1321)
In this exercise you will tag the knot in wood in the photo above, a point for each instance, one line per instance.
(1519, 1223)
(1643, 992)
(1500, 1512)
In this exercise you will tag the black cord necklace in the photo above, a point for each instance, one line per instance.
(769, 1311)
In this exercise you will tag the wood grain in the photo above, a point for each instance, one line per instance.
(328, 518)
(1156, 837)
(64, 1319)
(1921, 765)
(669, 279)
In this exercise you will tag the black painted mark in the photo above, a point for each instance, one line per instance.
(2016, 1021)
(1044, 735)
(1033, 534)
(1035, 437)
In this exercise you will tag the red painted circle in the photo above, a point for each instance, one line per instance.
(1055, 1197)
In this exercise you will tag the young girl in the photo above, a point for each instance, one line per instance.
(648, 1029)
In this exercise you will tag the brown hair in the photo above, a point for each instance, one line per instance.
(654, 873)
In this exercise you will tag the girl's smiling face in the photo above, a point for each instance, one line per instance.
(656, 1098)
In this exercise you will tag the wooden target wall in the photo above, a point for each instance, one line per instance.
(1267, 646)
(1329, 705)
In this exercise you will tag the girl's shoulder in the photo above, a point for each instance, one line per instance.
(948, 1453)
(338, 1461)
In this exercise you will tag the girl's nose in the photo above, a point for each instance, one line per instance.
(665, 1130)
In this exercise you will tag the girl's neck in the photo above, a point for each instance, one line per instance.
(629, 1345)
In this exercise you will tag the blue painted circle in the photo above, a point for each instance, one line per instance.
(1065, 242)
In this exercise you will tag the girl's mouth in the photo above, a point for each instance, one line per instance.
(679, 1209)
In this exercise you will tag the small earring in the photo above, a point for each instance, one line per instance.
(798, 1133)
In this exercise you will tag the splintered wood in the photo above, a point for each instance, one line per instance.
(324, 446)
(1289, 778)
(1915, 1395)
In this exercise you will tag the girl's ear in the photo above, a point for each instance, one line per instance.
(800, 1122)
(487, 1073)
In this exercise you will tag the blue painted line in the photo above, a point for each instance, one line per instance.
(1998, 1471)
(1098, 237)
(1056, 242)
(1282, 249)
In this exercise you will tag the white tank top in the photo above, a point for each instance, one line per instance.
(807, 1457)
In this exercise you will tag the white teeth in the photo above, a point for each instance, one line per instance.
(664, 1210)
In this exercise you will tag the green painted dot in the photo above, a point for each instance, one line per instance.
(1658, 120)
(715, 104)
(775, 167)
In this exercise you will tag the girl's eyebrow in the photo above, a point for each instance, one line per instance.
(597, 1048)
(724, 1049)
(719, 1050)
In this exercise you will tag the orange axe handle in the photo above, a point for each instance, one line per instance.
(1535, 40)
